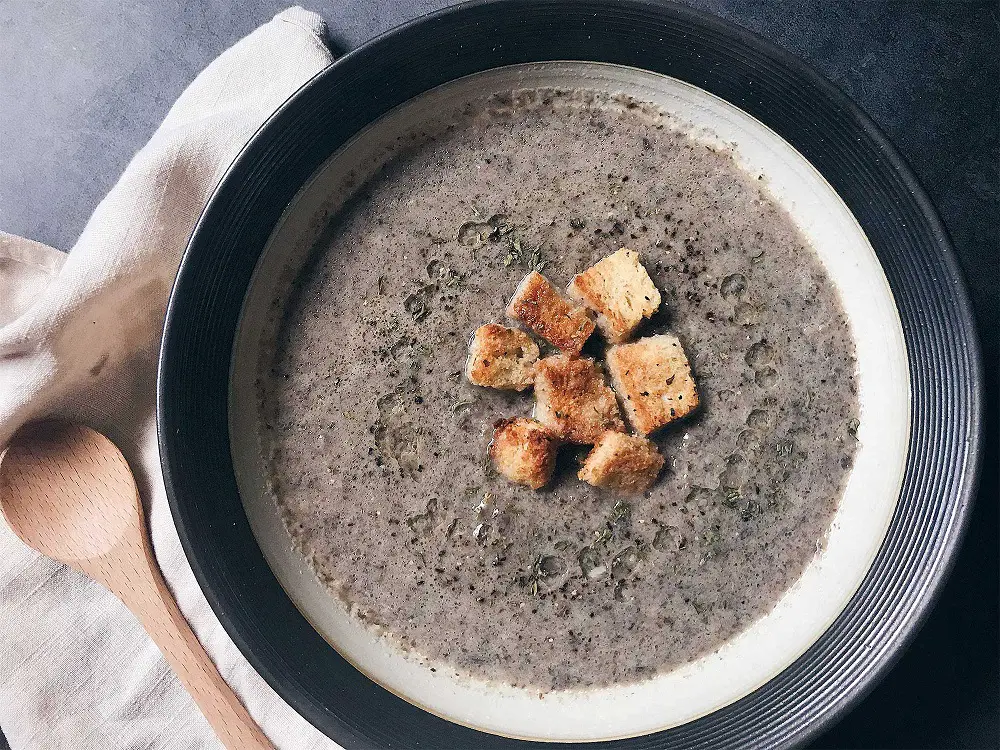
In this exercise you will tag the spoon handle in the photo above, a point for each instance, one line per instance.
(137, 581)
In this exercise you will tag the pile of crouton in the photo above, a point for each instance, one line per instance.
(651, 377)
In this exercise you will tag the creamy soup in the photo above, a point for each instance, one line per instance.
(376, 443)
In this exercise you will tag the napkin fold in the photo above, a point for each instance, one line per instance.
(79, 338)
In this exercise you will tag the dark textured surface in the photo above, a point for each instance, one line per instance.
(101, 79)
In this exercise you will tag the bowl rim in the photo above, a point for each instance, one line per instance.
(951, 306)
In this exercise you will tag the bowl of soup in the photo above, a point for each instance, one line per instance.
(412, 553)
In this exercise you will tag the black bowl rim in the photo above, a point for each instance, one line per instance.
(177, 385)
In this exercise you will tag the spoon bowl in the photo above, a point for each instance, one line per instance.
(67, 492)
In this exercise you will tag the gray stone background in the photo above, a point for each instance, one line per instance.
(83, 86)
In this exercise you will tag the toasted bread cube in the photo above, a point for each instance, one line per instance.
(653, 378)
(619, 290)
(538, 305)
(524, 451)
(622, 462)
(501, 357)
(573, 400)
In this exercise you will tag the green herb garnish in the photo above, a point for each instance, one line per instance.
(751, 509)
(519, 253)
(617, 524)
(731, 498)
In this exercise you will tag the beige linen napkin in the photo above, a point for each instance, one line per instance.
(79, 336)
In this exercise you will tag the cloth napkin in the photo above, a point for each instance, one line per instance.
(79, 336)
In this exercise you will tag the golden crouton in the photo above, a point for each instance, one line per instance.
(653, 377)
(619, 290)
(622, 462)
(573, 400)
(538, 305)
(524, 451)
(501, 357)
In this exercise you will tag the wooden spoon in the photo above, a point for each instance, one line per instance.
(67, 491)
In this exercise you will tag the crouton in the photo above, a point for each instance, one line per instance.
(619, 290)
(573, 400)
(538, 305)
(653, 378)
(501, 357)
(524, 451)
(622, 462)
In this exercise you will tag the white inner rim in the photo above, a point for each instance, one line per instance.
(805, 611)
